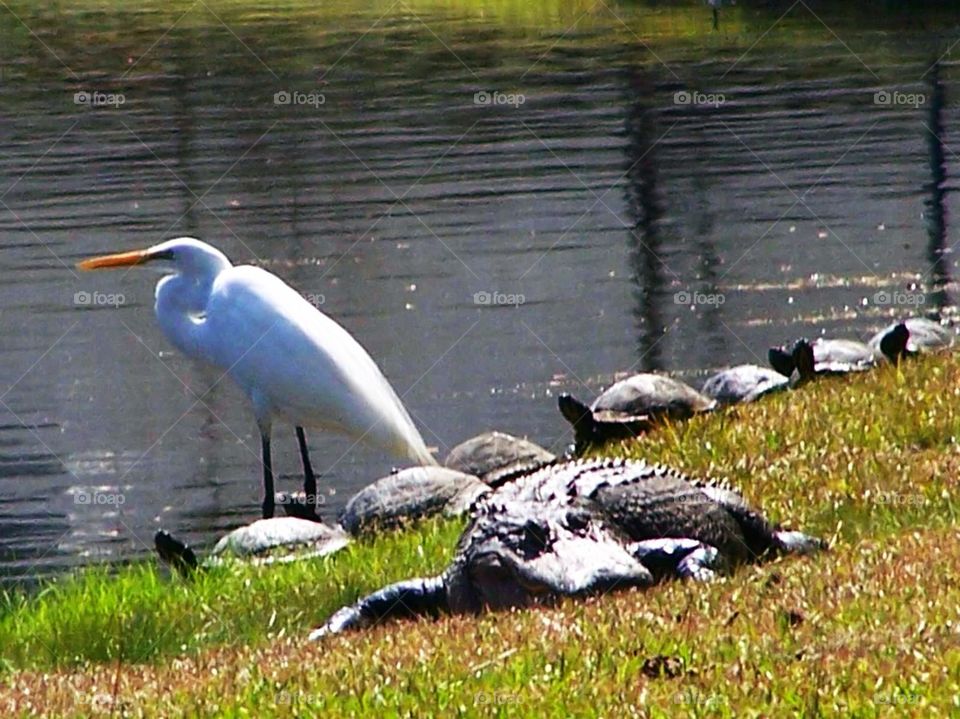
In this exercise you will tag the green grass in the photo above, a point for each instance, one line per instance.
(866, 629)
(140, 612)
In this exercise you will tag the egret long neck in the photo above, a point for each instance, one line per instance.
(181, 303)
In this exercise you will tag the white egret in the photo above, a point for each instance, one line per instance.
(293, 362)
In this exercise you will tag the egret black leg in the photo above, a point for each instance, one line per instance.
(309, 478)
(267, 476)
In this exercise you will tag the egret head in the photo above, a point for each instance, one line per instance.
(183, 255)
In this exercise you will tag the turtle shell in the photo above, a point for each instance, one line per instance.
(288, 534)
(410, 494)
(743, 383)
(830, 356)
(494, 454)
(650, 395)
(839, 355)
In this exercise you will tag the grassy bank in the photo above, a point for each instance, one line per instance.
(868, 629)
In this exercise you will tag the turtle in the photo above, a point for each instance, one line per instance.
(406, 494)
(830, 356)
(743, 383)
(841, 356)
(631, 407)
(495, 456)
(265, 541)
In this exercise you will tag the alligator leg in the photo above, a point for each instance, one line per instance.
(686, 558)
(410, 598)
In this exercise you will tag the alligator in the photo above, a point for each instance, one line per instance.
(580, 527)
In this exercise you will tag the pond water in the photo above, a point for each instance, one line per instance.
(501, 200)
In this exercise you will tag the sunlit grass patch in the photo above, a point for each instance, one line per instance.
(139, 612)
(867, 631)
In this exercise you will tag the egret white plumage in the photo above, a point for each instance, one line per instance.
(293, 362)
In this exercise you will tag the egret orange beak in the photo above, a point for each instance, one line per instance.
(121, 259)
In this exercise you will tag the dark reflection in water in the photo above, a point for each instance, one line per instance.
(646, 210)
(654, 162)
(934, 204)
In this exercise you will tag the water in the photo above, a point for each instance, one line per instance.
(653, 159)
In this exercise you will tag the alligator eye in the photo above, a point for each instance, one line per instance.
(577, 521)
(535, 539)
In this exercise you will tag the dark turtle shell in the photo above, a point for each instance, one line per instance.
(743, 383)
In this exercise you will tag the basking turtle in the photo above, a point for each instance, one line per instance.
(266, 541)
(578, 528)
(410, 494)
(631, 407)
(830, 356)
(494, 456)
(912, 336)
(743, 383)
